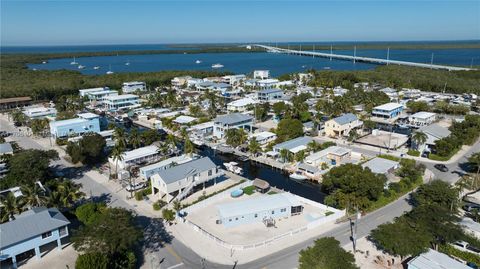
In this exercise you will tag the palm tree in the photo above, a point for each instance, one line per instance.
(134, 139)
(70, 193)
(300, 156)
(284, 154)
(254, 146)
(419, 138)
(120, 137)
(117, 155)
(33, 196)
(475, 160)
(313, 146)
(172, 140)
(10, 205)
(188, 147)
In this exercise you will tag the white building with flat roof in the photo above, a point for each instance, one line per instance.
(115, 102)
(138, 156)
(422, 118)
(39, 112)
(261, 74)
(235, 120)
(133, 86)
(96, 98)
(331, 155)
(264, 137)
(84, 92)
(241, 105)
(268, 83)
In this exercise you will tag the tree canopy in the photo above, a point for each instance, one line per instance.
(326, 253)
(289, 129)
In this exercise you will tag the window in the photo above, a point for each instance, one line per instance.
(46, 235)
(256, 215)
(230, 220)
(283, 210)
(273, 212)
(236, 218)
(210, 172)
(63, 231)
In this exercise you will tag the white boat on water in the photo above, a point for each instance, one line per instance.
(96, 67)
(217, 65)
(298, 175)
(128, 62)
(109, 72)
(233, 167)
(74, 62)
(327, 68)
(198, 62)
(44, 62)
(81, 66)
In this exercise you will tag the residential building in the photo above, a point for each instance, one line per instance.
(191, 82)
(264, 137)
(184, 120)
(422, 118)
(332, 155)
(14, 102)
(234, 120)
(470, 227)
(434, 132)
(85, 92)
(341, 126)
(177, 181)
(31, 231)
(261, 74)
(220, 87)
(270, 94)
(268, 83)
(388, 111)
(138, 156)
(241, 105)
(115, 102)
(204, 129)
(96, 98)
(85, 123)
(234, 79)
(181, 81)
(435, 260)
(147, 171)
(134, 86)
(39, 112)
(258, 209)
(6, 149)
(381, 166)
(294, 145)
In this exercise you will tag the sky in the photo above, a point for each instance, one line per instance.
(83, 22)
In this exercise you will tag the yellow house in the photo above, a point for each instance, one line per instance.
(341, 126)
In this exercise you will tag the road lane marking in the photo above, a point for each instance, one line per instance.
(175, 266)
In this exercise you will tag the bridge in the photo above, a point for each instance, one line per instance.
(355, 58)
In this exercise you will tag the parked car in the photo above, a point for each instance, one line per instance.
(470, 207)
(465, 246)
(441, 167)
(425, 154)
(137, 186)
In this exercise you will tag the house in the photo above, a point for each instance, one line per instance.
(332, 155)
(205, 85)
(470, 227)
(388, 111)
(422, 118)
(85, 123)
(85, 92)
(184, 120)
(134, 86)
(241, 105)
(341, 126)
(115, 102)
(201, 130)
(234, 79)
(39, 112)
(261, 185)
(191, 82)
(220, 87)
(261, 74)
(181, 81)
(381, 166)
(96, 98)
(147, 171)
(268, 83)
(294, 145)
(270, 94)
(264, 137)
(258, 209)
(177, 181)
(32, 231)
(435, 260)
(434, 132)
(234, 120)
(14, 102)
(6, 149)
(138, 156)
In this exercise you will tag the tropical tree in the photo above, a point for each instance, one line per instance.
(313, 146)
(172, 140)
(419, 138)
(254, 146)
(300, 156)
(33, 196)
(70, 193)
(117, 156)
(188, 146)
(235, 137)
(352, 135)
(326, 253)
(475, 160)
(38, 125)
(134, 138)
(284, 154)
(120, 138)
(10, 206)
(18, 116)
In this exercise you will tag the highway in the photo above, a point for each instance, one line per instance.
(355, 58)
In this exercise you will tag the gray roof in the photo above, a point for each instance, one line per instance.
(435, 260)
(185, 170)
(5, 148)
(435, 130)
(345, 118)
(271, 90)
(293, 143)
(30, 224)
(232, 118)
(380, 165)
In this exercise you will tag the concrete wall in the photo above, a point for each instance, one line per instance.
(257, 216)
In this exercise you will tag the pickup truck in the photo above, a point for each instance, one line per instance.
(465, 246)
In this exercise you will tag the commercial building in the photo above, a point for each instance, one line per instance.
(235, 120)
(177, 181)
(134, 86)
(32, 231)
(435, 260)
(138, 156)
(85, 123)
(259, 209)
(388, 111)
(147, 171)
(294, 145)
(39, 112)
(422, 118)
(341, 126)
(115, 102)
(270, 95)
(241, 105)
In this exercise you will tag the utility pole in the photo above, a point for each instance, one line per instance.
(388, 55)
(354, 230)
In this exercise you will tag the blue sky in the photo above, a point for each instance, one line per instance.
(130, 22)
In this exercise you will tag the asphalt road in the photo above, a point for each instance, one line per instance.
(176, 255)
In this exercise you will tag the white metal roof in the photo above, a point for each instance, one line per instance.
(435, 260)
(242, 102)
(140, 152)
(388, 106)
(184, 119)
(423, 115)
(122, 96)
(380, 165)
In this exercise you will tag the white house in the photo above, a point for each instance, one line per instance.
(184, 120)
(240, 105)
(332, 155)
(180, 81)
(85, 92)
(388, 111)
(422, 118)
(264, 137)
(39, 112)
(235, 120)
(268, 83)
(147, 171)
(115, 102)
(234, 79)
(294, 145)
(381, 166)
(138, 156)
(97, 97)
(133, 86)
(261, 74)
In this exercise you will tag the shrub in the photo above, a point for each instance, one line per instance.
(158, 205)
(389, 157)
(168, 214)
(413, 152)
(91, 260)
(249, 190)
(139, 195)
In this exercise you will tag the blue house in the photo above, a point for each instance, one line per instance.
(388, 111)
(85, 123)
(32, 231)
(270, 94)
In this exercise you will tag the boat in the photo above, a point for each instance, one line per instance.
(81, 66)
(217, 65)
(128, 62)
(109, 72)
(327, 68)
(96, 67)
(198, 62)
(44, 62)
(74, 62)
(233, 167)
(298, 175)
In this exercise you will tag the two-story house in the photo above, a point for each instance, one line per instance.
(85, 123)
(234, 120)
(341, 126)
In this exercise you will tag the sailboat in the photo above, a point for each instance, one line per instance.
(128, 62)
(198, 61)
(96, 67)
(74, 62)
(81, 66)
(109, 72)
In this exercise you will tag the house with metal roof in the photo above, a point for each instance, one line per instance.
(176, 182)
(342, 125)
(138, 156)
(434, 132)
(435, 260)
(6, 148)
(147, 171)
(332, 155)
(294, 145)
(241, 105)
(234, 120)
(381, 166)
(388, 111)
(258, 209)
(32, 231)
(270, 94)
(84, 123)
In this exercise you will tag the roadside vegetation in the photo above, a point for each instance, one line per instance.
(326, 253)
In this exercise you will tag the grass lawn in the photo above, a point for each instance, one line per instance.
(272, 192)
(249, 190)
